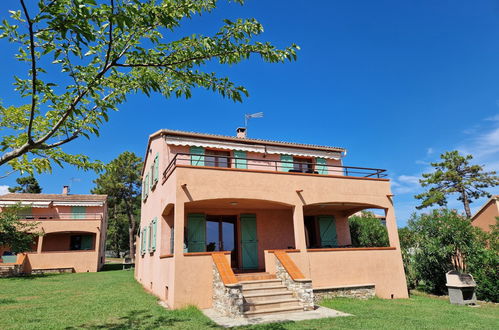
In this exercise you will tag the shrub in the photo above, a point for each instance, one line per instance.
(367, 231)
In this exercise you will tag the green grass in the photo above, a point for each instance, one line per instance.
(114, 300)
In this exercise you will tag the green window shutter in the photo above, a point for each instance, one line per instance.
(146, 245)
(286, 163)
(196, 232)
(86, 242)
(249, 241)
(327, 227)
(78, 212)
(142, 241)
(197, 156)
(321, 166)
(156, 168)
(240, 159)
(172, 239)
(154, 228)
(147, 184)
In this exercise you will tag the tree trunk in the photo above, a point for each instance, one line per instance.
(466, 203)
(131, 230)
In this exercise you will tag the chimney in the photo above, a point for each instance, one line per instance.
(65, 190)
(241, 132)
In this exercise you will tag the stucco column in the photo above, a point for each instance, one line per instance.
(391, 227)
(40, 243)
(178, 233)
(299, 228)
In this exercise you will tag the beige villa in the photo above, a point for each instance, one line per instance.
(73, 232)
(249, 226)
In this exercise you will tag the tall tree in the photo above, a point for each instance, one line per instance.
(455, 175)
(121, 181)
(84, 57)
(26, 184)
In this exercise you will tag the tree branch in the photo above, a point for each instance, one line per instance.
(33, 71)
(110, 44)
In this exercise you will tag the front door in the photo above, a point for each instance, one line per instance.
(249, 242)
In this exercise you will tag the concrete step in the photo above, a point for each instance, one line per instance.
(264, 289)
(272, 304)
(257, 297)
(244, 277)
(280, 310)
(260, 283)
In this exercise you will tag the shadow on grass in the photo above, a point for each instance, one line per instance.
(141, 319)
(7, 301)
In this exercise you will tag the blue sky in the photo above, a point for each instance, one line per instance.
(394, 82)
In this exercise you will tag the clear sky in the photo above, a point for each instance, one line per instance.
(394, 82)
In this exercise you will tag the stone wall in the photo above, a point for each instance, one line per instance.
(227, 299)
(360, 292)
(11, 270)
(302, 289)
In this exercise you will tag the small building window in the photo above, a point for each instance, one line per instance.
(302, 164)
(217, 158)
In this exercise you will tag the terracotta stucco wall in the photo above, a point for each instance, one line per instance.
(487, 217)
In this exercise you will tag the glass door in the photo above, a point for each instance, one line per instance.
(221, 235)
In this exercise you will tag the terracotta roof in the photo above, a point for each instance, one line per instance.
(52, 197)
(246, 140)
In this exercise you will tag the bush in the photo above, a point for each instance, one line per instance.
(367, 231)
(442, 241)
(407, 247)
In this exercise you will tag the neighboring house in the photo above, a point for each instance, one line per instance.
(73, 227)
(381, 218)
(486, 215)
(226, 213)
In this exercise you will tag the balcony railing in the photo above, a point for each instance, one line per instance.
(260, 164)
(63, 216)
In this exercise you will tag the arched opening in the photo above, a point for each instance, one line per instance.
(328, 224)
(245, 227)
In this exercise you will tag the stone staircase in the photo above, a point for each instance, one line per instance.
(264, 294)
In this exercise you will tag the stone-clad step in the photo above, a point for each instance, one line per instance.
(257, 297)
(243, 277)
(268, 296)
(271, 304)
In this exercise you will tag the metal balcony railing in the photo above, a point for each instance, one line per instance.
(259, 164)
(62, 216)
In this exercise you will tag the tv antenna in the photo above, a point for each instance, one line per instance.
(247, 117)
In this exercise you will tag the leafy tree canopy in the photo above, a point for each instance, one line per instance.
(16, 234)
(85, 56)
(455, 175)
(27, 184)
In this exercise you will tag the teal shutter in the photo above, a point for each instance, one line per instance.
(156, 168)
(86, 242)
(144, 240)
(197, 156)
(147, 184)
(78, 212)
(249, 241)
(240, 159)
(196, 232)
(286, 163)
(327, 227)
(321, 166)
(146, 243)
(154, 228)
(172, 239)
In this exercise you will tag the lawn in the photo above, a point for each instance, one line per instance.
(114, 300)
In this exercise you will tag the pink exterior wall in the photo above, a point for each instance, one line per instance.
(187, 278)
(487, 216)
(57, 225)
